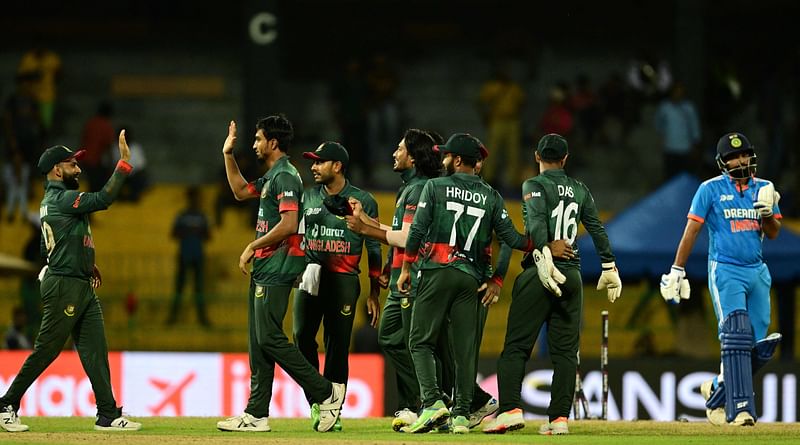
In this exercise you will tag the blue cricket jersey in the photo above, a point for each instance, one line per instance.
(734, 226)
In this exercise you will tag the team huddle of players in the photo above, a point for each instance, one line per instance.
(440, 273)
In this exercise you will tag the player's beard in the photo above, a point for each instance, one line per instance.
(71, 182)
(449, 169)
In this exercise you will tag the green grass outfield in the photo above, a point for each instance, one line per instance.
(188, 430)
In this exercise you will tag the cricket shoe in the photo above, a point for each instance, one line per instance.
(459, 425)
(485, 411)
(715, 416)
(432, 417)
(404, 417)
(9, 421)
(508, 421)
(743, 419)
(326, 413)
(245, 422)
(121, 423)
(555, 428)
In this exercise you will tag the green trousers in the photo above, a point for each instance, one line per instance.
(445, 295)
(334, 308)
(531, 306)
(446, 371)
(269, 345)
(70, 307)
(393, 340)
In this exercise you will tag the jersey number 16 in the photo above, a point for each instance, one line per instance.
(566, 225)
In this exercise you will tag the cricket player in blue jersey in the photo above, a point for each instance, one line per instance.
(738, 209)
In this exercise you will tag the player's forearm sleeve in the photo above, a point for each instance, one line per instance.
(78, 203)
(373, 256)
(534, 213)
(509, 235)
(595, 228)
(422, 221)
(503, 260)
(373, 245)
(387, 266)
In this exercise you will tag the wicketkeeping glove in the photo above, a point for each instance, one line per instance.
(675, 286)
(609, 280)
(549, 275)
(338, 205)
(767, 198)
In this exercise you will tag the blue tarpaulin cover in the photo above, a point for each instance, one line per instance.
(645, 237)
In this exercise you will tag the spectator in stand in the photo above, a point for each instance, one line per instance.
(23, 131)
(44, 68)
(16, 337)
(557, 117)
(500, 103)
(677, 122)
(349, 95)
(584, 105)
(97, 139)
(191, 229)
(383, 112)
(619, 110)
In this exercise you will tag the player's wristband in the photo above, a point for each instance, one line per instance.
(124, 167)
(609, 266)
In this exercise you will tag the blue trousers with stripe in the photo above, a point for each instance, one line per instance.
(741, 287)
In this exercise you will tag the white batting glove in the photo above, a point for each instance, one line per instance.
(767, 198)
(674, 285)
(42, 272)
(609, 280)
(549, 275)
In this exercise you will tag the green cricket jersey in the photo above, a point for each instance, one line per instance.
(280, 190)
(455, 218)
(66, 234)
(553, 204)
(329, 242)
(404, 210)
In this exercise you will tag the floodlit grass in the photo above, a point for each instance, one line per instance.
(189, 430)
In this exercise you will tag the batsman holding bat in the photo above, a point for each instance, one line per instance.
(739, 210)
(554, 204)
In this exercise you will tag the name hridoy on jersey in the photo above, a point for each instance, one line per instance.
(465, 195)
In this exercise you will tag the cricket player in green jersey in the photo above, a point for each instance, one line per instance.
(455, 219)
(329, 289)
(483, 404)
(416, 162)
(553, 205)
(68, 284)
(277, 261)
